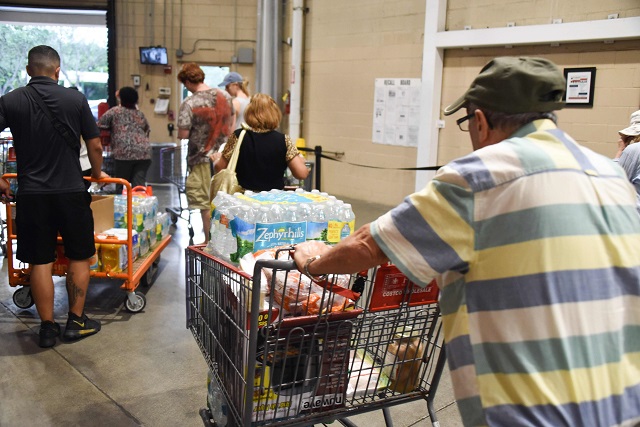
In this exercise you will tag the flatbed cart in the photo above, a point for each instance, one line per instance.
(7, 165)
(173, 169)
(355, 344)
(140, 271)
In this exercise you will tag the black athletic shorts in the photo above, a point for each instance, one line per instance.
(39, 219)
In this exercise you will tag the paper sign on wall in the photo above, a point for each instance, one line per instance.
(396, 112)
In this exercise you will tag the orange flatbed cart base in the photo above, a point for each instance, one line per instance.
(139, 271)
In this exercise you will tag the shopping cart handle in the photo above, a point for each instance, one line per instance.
(110, 180)
(277, 264)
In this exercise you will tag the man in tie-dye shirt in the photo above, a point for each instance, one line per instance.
(534, 240)
(205, 118)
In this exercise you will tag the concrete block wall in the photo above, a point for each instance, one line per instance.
(616, 93)
(493, 14)
(209, 33)
(348, 45)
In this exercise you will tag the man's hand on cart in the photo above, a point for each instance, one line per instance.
(103, 175)
(357, 252)
(306, 253)
(5, 191)
(97, 186)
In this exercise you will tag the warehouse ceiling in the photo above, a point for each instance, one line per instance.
(52, 4)
(46, 16)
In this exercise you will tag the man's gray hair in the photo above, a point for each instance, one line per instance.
(508, 121)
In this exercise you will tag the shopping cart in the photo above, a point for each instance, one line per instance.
(139, 271)
(173, 169)
(284, 352)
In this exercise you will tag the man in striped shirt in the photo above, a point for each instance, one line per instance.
(535, 241)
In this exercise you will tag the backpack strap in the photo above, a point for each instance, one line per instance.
(59, 127)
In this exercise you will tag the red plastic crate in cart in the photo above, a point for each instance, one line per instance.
(389, 290)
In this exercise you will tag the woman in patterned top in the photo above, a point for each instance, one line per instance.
(265, 153)
(130, 145)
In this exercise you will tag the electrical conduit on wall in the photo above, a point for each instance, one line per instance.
(296, 69)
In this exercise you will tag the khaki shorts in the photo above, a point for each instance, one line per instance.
(197, 186)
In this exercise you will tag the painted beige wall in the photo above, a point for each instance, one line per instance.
(211, 34)
(346, 51)
(349, 44)
(493, 14)
(617, 91)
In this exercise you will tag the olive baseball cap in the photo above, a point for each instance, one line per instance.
(515, 85)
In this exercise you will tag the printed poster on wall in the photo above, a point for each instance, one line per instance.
(396, 112)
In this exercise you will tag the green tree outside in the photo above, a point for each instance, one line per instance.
(77, 55)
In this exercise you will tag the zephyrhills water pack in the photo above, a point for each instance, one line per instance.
(246, 223)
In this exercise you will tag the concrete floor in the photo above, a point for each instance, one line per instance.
(142, 369)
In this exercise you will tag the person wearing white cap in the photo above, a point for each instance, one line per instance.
(630, 134)
(236, 86)
(629, 153)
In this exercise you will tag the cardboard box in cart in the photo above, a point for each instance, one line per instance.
(102, 208)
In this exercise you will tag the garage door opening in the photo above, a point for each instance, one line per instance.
(81, 43)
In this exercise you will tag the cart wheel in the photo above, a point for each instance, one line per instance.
(156, 261)
(22, 297)
(150, 275)
(135, 302)
(4, 248)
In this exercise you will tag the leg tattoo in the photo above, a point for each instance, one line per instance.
(73, 290)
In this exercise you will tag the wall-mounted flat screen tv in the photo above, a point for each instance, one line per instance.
(153, 55)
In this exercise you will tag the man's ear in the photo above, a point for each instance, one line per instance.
(29, 71)
(482, 126)
(57, 73)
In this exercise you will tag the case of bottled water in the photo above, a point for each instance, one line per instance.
(246, 223)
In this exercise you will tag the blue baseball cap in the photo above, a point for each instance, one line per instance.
(232, 77)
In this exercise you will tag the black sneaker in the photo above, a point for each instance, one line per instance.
(80, 327)
(49, 331)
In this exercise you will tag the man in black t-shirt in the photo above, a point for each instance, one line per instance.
(52, 197)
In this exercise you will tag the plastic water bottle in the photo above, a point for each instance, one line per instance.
(120, 211)
(218, 223)
(150, 211)
(216, 202)
(230, 247)
(277, 213)
(143, 240)
(228, 243)
(305, 211)
(291, 214)
(263, 216)
(162, 225)
(216, 402)
(245, 228)
(138, 214)
(334, 220)
(349, 219)
(317, 223)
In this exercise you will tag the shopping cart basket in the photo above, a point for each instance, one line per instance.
(173, 169)
(287, 352)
